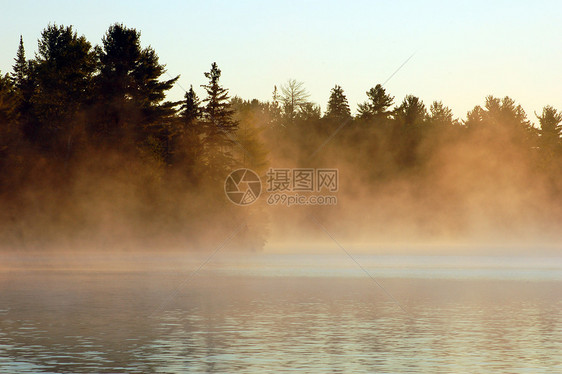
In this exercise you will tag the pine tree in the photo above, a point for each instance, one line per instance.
(7, 103)
(24, 85)
(190, 109)
(63, 71)
(274, 108)
(377, 105)
(502, 119)
(219, 124)
(20, 68)
(8, 113)
(130, 88)
(338, 107)
(411, 112)
(441, 116)
(309, 112)
(551, 128)
(251, 114)
(185, 141)
(217, 113)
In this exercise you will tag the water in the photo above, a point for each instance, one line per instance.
(258, 314)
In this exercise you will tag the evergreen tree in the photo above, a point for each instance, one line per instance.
(411, 112)
(220, 125)
(190, 109)
(440, 116)
(408, 119)
(20, 68)
(250, 114)
(474, 118)
(376, 107)
(24, 86)
(131, 90)
(551, 128)
(63, 70)
(7, 102)
(338, 107)
(218, 111)
(502, 119)
(275, 108)
(8, 115)
(187, 142)
(309, 112)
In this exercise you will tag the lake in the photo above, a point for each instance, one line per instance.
(259, 313)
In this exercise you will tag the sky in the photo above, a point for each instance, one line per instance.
(462, 50)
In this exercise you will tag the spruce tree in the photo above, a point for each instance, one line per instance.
(23, 78)
(20, 68)
(188, 145)
(338, 107)
(219, 124)
(218, 113)
(190, 109)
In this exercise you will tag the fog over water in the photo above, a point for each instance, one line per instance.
(227, 234)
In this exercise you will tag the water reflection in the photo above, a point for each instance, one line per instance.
(73, 321)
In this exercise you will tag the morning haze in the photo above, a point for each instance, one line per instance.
(269, 187)
(96, 156)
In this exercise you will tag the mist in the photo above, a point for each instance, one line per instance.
(94, 158)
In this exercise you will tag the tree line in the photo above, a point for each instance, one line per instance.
(81, 121)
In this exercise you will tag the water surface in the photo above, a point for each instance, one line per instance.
(279, 313)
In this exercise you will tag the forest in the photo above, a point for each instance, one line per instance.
(93, 155)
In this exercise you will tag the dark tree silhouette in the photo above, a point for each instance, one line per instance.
(8, 114)
(502, 119)
(131, 90)
(24, 87)
(7, 101)
(377, 105)
(219, 123)
(20, 68)
(409, 118)
(440, 116)
(188, 142)
(338, 107)
(218, 111)
(190, 109)
(63, 71)
(550, 125)
(411, 112)
(309, 112)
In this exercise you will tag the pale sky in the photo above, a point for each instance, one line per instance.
(463, 50)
